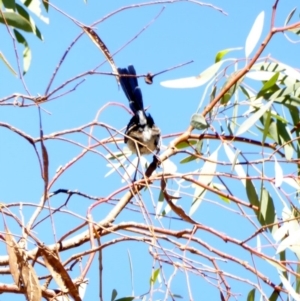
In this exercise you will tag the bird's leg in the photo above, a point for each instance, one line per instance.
(138, 162)
(136, 170)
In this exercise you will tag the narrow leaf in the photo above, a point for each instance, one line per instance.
(251, 295)
(46, 4)
(26, 51)
(290, 15)
(114, 294)
(268, 85)
(10, 4)
(35, 6)
(267, 124)
(275, 294)
(206, 176)
(194, 81)
(7, 64)
(222, 53)
(15, 20)
(254, 34)
(278, 173)
(260, 75)
(100, 44)
(59, 273)
(26, 15)
(249, 122)
(298, 279)
(251, 193)
(188, 159)
(267, 210)
(21, 270)
(253, 200)
(12, 257)
(154, 276)
(289, 287)
(185, 144)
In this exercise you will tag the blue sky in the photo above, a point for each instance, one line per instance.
(183, 32)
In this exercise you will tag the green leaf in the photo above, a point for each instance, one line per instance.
(285, 138)
(226, 97)
(126, 299)
(253, 199)
(115, 156)
(199, 146)
(161, 197)
(177, 296)
(154, 276)
(114, 294)
(251, 193)
(198, 122)
(282, 257)
(251, 295)
(10, 4)
(222, 53)
(27, 2)
(15, 20)
(275, 294)
(298, 279)
(213, 93)
(295, 31)
(244, 90)
(25, 15)
(26, 51)
(254, 34)
(3, 58)
(268, 85)
(267, 210)
(188, 159)
(185, 144)
(46, 4)
(224, 199)
(266, 126)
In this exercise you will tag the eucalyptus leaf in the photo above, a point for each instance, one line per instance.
(222, 53)
(15, 20)
(198, 122)
(249, 122)
(290, 15)
(206, 176)
(194, 81)
(8, 65)
(254, 34)
(10, 4)
(251, 295)
(26, 52)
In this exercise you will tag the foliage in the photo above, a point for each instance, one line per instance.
(239, 156)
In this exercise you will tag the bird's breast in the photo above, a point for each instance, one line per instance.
(147, 134)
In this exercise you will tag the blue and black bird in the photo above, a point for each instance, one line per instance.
(142, 135)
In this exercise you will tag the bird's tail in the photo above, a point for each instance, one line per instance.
(131, 89)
